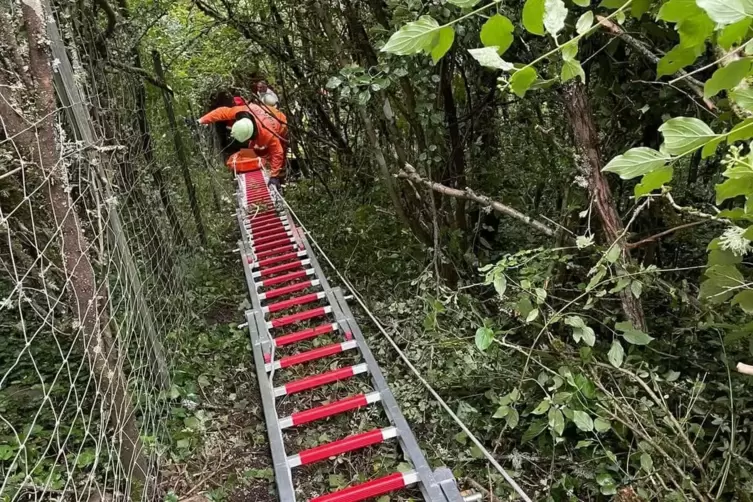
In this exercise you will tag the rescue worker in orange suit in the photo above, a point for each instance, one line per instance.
(257, 128)
(269, 100)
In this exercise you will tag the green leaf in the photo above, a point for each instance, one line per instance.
(682, 135)
(488, 57)
(743, 98)
(632, 334)
(675, 60)
(502, 411)
(497, 32)
(333, 83)
(521, 81)
(534, 430)
(464, 4)
(569, 50)
(444, 43)
(710, 148)
(572, 69)
(556, 421)
(636, 162)
(733, 34)
(584, 22)
(500, 284)
(555, 14)
(183, 444)
(636, 288)
(602, 425)
(604, 479)
(583, 421)
(733, 188)
(653, 181)
(583, 241)
(647, 463)
(512, 418)
(542, 408)
(639, 7)
(726, 11)
(363, 97)
(582, 3)
(741, 132)
(413, 38)
(676, 11)
(745, 300)
(726, 77)
(6, 452)
(336, 481)
(612, 4)
(484, 338)
(613, 254)
(532, 315)
(695, 30)
(581, 331)
(533, 17)
(616, 354)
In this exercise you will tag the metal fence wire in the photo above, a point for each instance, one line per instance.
(94, 228)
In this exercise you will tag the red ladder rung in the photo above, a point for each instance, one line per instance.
(371, 489)
(313, 355)
(270, 238)
(266, 224)
(292, 302)
(273, 244)
(277, 259)
(276, 230)
(350, 443)
(280, 279)
(305, 334)
(286, 290)
(285, 267)
(315, 381)
(329, 409)
(298, 317)
(273, 252)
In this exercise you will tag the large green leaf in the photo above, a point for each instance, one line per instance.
(581, 331)
(584, 22)
(484, 338)
(675, 11)
(533, 17)
(741, 132)
(675, 60)
(726, 77)
(522, 79)
(733, 187)
(572, 69)
(636, 162)
(721, 278)
(743, 98)
(556, 421)
(639, 7)
(444, 43)
(583, 421)
(497, 32)
(488, 57)
(684, 134)
(464, 4)
(745, 300)
(694, 30)
(414, 37)
(653, 181)
(616, 354)
(534, 430)
(733, 34)
(555, 14)
(633, 335)
(727, 11)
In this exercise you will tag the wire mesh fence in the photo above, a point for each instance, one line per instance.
(97, 221)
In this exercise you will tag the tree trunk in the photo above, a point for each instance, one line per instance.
(156, 170)
(455, 173)
(180, 151)
(587, 144)
(41, 146)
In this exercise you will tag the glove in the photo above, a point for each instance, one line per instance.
(275, 182)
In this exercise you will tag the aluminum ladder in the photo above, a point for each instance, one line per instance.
(279, 263)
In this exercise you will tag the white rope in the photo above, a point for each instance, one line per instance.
(407, 361)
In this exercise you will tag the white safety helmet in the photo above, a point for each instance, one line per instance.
(242, 130)
(269, 98)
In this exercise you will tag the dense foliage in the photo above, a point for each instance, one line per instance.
(545, 200)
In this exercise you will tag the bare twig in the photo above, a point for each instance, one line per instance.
(410, 174)
(142, 73)
(633, 245)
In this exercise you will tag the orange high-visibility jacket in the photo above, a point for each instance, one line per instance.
(266, 139)
(282, 120)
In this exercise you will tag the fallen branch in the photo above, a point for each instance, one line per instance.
(691, 83)
(633, 245)
(142, 73)
(485, 491)
(410, 174)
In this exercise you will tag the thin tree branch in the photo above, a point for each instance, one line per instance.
(633, 245)
(410, 174)
(142, 73)
(691, 83)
